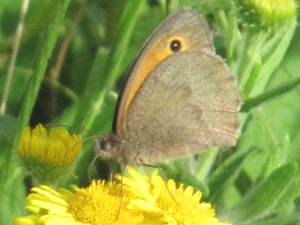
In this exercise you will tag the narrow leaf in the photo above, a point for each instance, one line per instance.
(262, 200)
(130, 15)
(271, 94)
(226, 173)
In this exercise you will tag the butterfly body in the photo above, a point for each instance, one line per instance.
(179, 99)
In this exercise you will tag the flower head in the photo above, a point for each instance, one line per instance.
(269, 12)
(100, 203)
(46, 153)
(143, 200)
(168, 203)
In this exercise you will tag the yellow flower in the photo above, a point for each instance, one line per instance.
(46, 153)
(56, 147)
(140, 200)
(270, 12)
(100, 203)
(164, 201)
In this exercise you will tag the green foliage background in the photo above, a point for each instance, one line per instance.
(256, 182)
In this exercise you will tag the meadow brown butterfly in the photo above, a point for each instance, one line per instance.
(179, 98)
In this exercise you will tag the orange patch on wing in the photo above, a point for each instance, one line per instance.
(159, 52)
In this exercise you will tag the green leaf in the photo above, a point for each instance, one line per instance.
(264, 198)
(95, 77)
(12, 193)
(288, 219)
(243, 183)
(111, 71)
(273, 59)
(8, 125)
(226, 173)
(205, 163)
(46, 46)
(268, 95)
(277, 156)
(290, 194)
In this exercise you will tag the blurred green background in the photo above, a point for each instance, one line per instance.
(73, 57)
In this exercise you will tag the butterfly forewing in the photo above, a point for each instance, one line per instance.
(185, 25)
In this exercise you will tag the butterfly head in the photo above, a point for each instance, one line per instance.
(105, 147)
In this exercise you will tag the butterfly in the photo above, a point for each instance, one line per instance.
(179, 98)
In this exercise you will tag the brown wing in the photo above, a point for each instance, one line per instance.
(189, 102)
(185, 25)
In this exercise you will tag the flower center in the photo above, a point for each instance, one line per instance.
(97, 205)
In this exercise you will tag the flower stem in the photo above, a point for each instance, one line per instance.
(14, 55)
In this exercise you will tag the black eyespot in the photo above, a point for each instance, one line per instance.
(175, 45)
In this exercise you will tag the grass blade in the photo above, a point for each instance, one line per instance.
(263, 199)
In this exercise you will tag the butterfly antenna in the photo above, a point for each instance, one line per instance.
(91, 167)
(87, 139)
